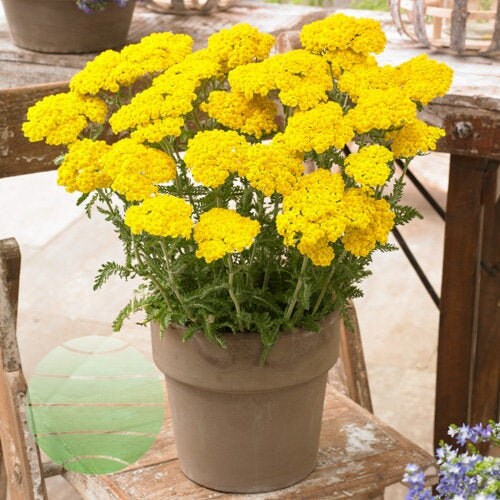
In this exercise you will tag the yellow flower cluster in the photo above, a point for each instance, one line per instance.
(158, 111)
(213, 155)
(61, 118)
(421, 79)
(362, 77)
(239, 45)
(416, 137)
(136, 169)
(343, 40)
(110, 70)
(302, 79)
(381, 110)
(359, 240)
(425, 79)
(273, 168)
(318, 129)
(162, 215)
(255, 116)
(313, 216)
(80, 170)
(370, 165)
(221, 231)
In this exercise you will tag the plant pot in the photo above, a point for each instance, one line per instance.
(240, 427)
(59, 26)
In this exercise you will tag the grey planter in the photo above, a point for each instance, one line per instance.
(240, 427)
(59, 26)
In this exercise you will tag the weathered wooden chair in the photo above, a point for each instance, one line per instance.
(359, 455)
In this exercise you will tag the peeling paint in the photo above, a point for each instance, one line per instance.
(360, 438)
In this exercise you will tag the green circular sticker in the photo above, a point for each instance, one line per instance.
(96, 405)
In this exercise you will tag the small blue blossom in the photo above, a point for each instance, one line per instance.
(462, 475)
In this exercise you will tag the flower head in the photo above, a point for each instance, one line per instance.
(221, 231)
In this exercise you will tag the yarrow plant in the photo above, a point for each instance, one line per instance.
(90, 6)
(462, 475)
(225, 172)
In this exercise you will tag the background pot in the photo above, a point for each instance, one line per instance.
(59, 26)
(240, 427)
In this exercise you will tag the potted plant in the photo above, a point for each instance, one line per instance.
(226, 177)
(69, 26)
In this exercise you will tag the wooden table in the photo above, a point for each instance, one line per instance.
(468, 368)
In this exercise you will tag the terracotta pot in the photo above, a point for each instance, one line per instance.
(240, 427)
(59, 26)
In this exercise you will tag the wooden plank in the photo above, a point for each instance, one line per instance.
(458, 292)
(17, 155)
(472, 125)
(418, 18)
(458, 26)
(486, 384)
(358, 455)
(494, 47)
(20, 454)
(353, 362)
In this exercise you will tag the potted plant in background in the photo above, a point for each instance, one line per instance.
(247, 257)
(69, 26)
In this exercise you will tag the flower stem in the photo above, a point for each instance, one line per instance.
(172, 282)
(298, 286)
(327, 282)
(232, 293)
(150, 276)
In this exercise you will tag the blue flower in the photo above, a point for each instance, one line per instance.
(461, 476)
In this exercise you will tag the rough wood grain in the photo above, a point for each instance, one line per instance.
(472, 125)
(458, 26)
(418, 17)
(358, 455)
(486, 368)
(458, 292)
(18, 155)
(494, 47)
(20, 454)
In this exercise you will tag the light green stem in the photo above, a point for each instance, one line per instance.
(298, 286)
(150, 276)
(232, 293)
(339, 259)
(172, 282)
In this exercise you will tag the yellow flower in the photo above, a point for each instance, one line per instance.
(302, 79)
(425, 79)
(221, 231)
(313, 216)
(255, 116)
(273, 168)
(381, 110)
(341, 32)
(110, 70)
(162, 215)
(416, 137)
(368, 77)
(61, 118)
(213, 155)
(360, 241)
(318, 129)
(136, 169)
(239, 45)
(370, 165)
(81, 169)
